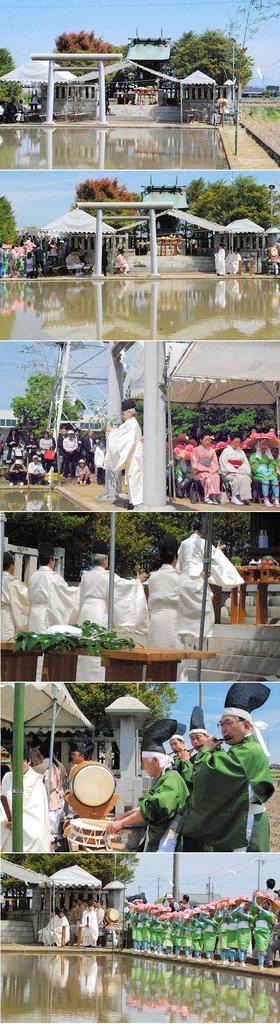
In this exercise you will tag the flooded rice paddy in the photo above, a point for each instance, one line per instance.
(107, 988)
(39, 148)
(175, 309)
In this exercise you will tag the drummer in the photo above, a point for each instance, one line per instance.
(160, 809)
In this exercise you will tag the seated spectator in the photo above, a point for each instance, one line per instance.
(36, 471)
(205, 468)
(235, 469)
(264, 469)
(82, 472)
(121, 265)
(17, 473)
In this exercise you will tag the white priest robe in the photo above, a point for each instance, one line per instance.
(36, 828)
(52, 601)
(52, 934)
(130, 613)
(90, 928)
(125, 451)
(190, 564)
(14, 607)
(164, 586)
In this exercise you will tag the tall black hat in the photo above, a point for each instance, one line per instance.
(127, 404)
(46, 549)
(100, 547)
(158, 732)
(169, 545)
(246, 696)
(197, 723)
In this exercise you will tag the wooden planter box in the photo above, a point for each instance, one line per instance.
(151, 664)
(17, 666)
(61, 666)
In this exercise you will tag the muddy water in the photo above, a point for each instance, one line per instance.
(60, 988)
(38, 148)
(175, 308)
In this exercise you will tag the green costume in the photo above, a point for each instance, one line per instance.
(176, 933)
(223, 932)
(167, 943)
(243, 931)
(227, 789)
(263, 923)
(264, 468)
(197, 935)
(184, 768)
(210, 932)
(166, 798)
(186, 940)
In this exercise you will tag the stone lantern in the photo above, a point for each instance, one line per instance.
(127, 715)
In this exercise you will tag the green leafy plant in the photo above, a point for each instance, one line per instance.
(94, 638)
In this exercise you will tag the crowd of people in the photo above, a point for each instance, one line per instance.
(235, 470)
(227, 930)
(28, 458)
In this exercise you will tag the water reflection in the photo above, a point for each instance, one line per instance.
(38, 148)
(178, 309)
(121, 989)
(30, 501)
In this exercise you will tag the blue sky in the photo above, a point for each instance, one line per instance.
(29, 26)
(231, 876)
(214, 694)
(38, 198)
(87, 364)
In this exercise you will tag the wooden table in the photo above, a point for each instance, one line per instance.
(262, 576)
(149, 664)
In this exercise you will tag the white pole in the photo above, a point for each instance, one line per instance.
(49, 148)
(101, 145)
(98, 243)
(154, 426)
(64, 370)
(154, 309)
(153, 243)
(2, 543)
(102, 94)
(181, 103)
(99, 309)
(112, 570)
(50, 94)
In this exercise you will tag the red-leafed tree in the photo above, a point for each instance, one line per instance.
(103, 189)
(87, 42)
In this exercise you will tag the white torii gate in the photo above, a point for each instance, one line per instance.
(75, 58)
(146, 210)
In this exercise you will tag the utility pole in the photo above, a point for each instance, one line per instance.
(176, 876)
(237, 117)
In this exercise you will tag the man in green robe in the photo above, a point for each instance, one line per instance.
(225, 811)
(159, 809)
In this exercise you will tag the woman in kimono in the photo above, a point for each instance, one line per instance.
(235, 468)
(205, 468)
(264, 468)
(125, 451)
(14, 601)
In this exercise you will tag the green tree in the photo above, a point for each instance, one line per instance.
(135, 547)
(98, 864)
(32, 408)
(93, 698)
(221, 421)
(211, 52)
(223, 201)
(8, 227)
(6, 61)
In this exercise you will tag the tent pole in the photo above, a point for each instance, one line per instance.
(181, 104)
(64, 370)
(18, 751)
(54, 711)
(206, 574)
(2, 542)
(112, 569)
(50, 93)
(171, 471)
(278, 410)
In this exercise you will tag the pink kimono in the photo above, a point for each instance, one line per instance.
(206, 469)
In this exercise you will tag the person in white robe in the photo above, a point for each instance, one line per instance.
(235, 468)
(52, 601)
(89, 926)
(52, 935)
(125, 450)
(190, 565)
(87, 975)
(163, 588)
(36, 827)
(14, 601)
(220, 261)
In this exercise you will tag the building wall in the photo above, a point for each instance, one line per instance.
(73, 101)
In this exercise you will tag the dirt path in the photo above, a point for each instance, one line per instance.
(273, 810)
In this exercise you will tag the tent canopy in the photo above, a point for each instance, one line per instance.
(198, 78)
(109, 69)
(75, 877)
(244, 226)
(36, 72)
(200, 222)
(39, 700)
(23, 874)
(218, 374)
(76, 222)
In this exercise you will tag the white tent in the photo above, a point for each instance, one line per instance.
(244, 227)
(75, 877)
(198, 78)
(23, 874)
(38, 709)
(76, 222)
(230, 373)
(35, 72)
(199, 222)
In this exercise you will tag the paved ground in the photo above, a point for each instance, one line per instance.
(250, 156)
(88, 498)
